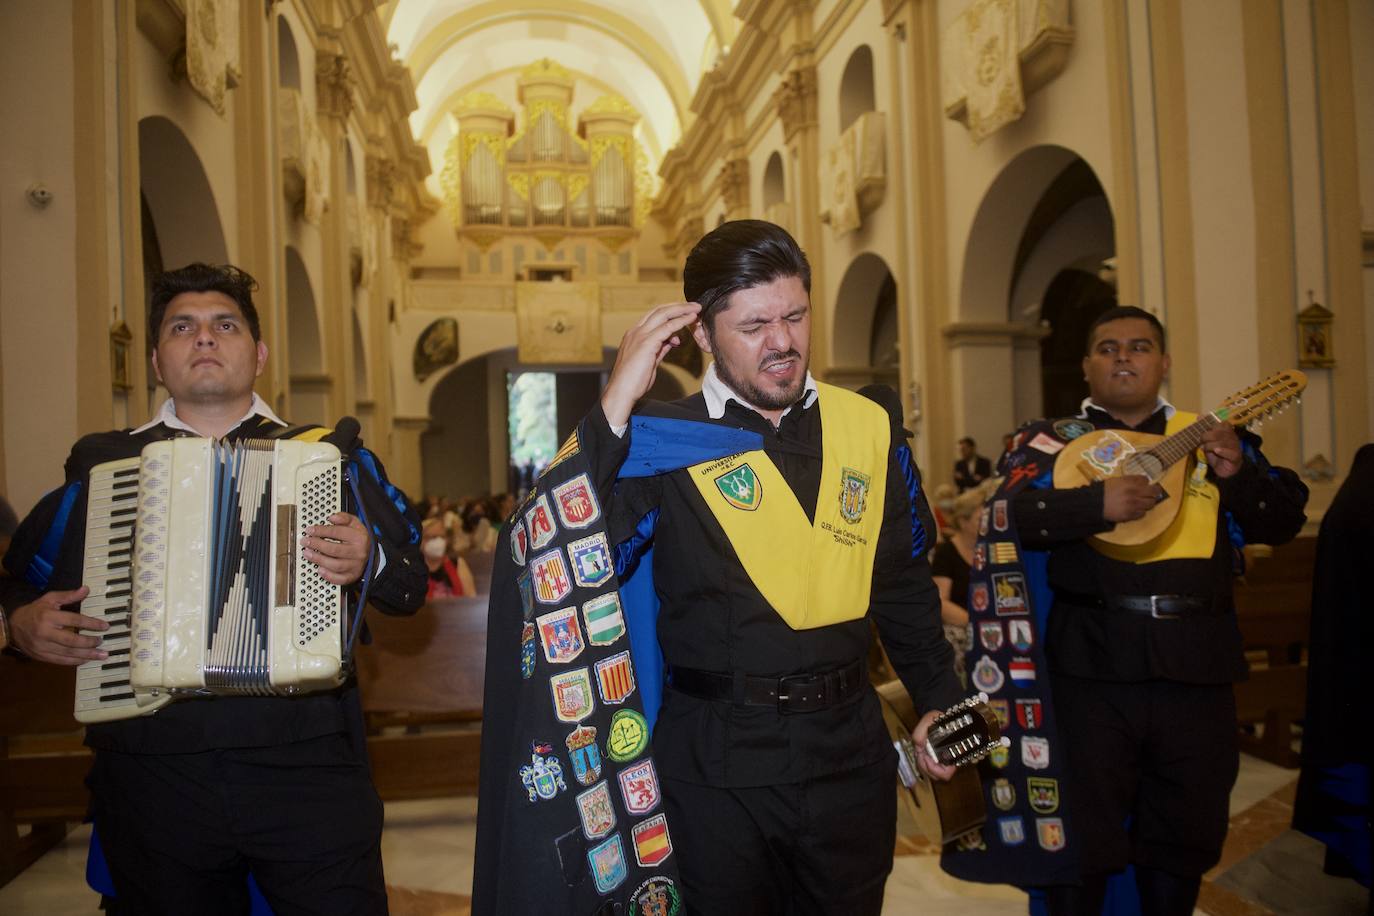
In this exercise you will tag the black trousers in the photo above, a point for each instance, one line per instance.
(818, 847)
(181, 832)
(1157, 753)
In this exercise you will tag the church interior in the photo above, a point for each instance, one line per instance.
(455, 209)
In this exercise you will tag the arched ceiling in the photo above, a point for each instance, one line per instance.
(653, 54)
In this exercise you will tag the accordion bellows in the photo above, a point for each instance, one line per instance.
(193, 558)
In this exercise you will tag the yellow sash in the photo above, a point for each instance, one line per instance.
(816, 574)
(1193, 533)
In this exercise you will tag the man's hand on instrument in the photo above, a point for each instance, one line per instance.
(641, 350)
(42, 630)
(929, 765)
(340, 549)
(1221, 445)
(1125, 499)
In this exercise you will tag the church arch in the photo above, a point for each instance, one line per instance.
(180, 201)
(865, 320)
(288, 58)
(309, 384)
(856, 86)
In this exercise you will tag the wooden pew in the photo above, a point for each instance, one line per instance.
(43, 764)
(1274, 610)
(421, 685)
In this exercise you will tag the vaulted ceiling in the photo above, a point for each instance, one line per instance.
(650, 52)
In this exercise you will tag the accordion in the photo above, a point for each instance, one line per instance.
(192, 557)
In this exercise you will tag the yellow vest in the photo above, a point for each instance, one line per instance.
(812, 574)
(1193, 533)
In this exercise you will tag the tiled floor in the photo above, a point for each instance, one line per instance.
(427, 847)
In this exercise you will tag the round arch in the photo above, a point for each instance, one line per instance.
(774, 181)
(288, 58)
(856, 86)
(859, 310)
(305, 353)
(177, 191)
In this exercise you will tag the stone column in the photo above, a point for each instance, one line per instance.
(795, 100)
(334, 103)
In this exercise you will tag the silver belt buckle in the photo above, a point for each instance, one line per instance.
(1158, 614)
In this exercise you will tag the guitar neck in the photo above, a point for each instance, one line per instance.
(1186, 441)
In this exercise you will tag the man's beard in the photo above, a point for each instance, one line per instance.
(768, 399)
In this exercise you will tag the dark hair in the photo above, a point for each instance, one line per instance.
(968, 440)
(1116, 313)
(202, 278)
(740, 254)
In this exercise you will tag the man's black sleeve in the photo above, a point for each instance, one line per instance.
(905, 603)
(1267, 502)
(1048, 517)
(400, 587)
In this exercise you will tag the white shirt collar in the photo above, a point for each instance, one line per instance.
(1159, 402)
(718, 394)
(167, 416)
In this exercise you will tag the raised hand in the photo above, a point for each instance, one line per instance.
(641, 350)
(1128, 498)
(1221, 445)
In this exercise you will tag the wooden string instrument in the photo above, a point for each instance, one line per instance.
(1166, 460)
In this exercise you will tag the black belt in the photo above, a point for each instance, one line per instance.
(794, 693)
(1161, 607)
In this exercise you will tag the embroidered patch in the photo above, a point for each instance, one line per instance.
(652, 843)
(1002, 710)
(979, 596)
(657, 896)
(540, 522)
(519, 541)
(1003, 794)
(1108, 454)
(1004, 553)
(853, 495)
(639, 787)
(615, 677)
(595, 809)
(551, 581)
(971, 842)
(560, 635)
(1000, 757)
(1011, 831)
(983, 517)
(604, 619)
(1035, 752)
(543, 777)
(1009, 589)
(980, 556)
(572, 695)
(607, 861)
(1043, 794)
(628, 735)
(741, 488)
(529, 650)
(987, 677)
(591, 561)
(1047, 444)
(584, 754)
(525, 583)
(990, 634)
(1019, 634)
(1023, 473)
(1022, 671)
(576, 503)
(1030, 714)
(1072, 428)
(999, 515)
(1051, 831)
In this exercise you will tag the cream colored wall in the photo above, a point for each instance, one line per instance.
(37, 271)
(1361, 43)
(1222, 201)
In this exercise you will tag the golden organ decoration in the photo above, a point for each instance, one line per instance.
(550, 177)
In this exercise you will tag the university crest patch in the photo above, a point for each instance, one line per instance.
(607, 861)
(595, 809)
(591, 560)
(584, 754)
(853, 495)
(741, 488)
(1043, 793)
(576, 503)
(639, 787)
(572, 695)
(657, 896)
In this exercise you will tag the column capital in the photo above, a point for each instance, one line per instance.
(333, 84)
(795, 100)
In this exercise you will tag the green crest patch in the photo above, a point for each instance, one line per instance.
(740, 488)
(853, 494)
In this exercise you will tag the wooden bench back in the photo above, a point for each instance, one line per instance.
(432, 663)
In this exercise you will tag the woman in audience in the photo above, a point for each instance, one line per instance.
(949, 568)
(449, 575)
